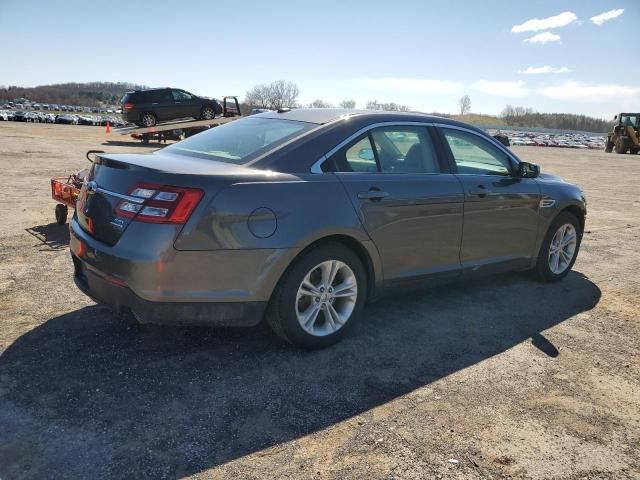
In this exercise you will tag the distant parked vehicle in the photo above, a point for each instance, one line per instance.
(66, 119)
(4, 116)
(20, 116)
(148, 107)
(86, 120)
(32, 117)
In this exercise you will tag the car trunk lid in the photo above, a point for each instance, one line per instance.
(118, 188)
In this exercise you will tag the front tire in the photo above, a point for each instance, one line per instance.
(608, 145)
(559, 249)
(621, 145)
(207, 113)
(319, 298)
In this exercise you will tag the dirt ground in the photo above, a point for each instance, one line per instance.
(502, 378)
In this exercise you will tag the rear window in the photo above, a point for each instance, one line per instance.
(240, 141)
(147, 96)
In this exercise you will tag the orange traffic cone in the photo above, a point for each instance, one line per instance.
(108, 127)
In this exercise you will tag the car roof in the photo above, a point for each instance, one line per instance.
(322, 116)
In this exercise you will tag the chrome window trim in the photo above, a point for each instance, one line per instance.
(317, 166)
(492, 141)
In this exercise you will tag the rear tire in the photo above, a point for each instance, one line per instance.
(546, 269)
(61, 214)
(148, 119)
(327, 319)
(207, 113)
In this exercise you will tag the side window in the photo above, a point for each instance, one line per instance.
(181, 96)
(356, 157)
(405, 150)
(160, 96)
(475, 156)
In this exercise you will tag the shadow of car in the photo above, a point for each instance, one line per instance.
(87, 395)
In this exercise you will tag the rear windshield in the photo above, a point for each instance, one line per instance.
(240, 141)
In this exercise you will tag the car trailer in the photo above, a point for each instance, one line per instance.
(65, 191)
(175, 130)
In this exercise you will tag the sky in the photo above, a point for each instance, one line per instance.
(553, 56)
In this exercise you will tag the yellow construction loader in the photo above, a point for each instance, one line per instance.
(626, 134)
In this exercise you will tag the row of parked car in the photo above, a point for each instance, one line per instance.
(63, 118)
(560, 140)
(58, 108)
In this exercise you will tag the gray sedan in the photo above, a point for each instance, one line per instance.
(302, 216)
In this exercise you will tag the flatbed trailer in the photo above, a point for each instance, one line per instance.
(175, 130)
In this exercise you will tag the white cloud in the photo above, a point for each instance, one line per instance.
(598, 92)
(414, 85)
(603, 17)
(501, 89)
(536, 24)
(544, 37)
(545, 69)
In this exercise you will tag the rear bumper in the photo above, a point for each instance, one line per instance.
(130, 116)
(144, 274)
(102, 289)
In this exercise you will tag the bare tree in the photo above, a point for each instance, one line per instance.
(465, 104)
(320, 104)
(348, 104)
(274, 95)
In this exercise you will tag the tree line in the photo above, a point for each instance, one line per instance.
(280, 94)
(526, 117)
(92, 94)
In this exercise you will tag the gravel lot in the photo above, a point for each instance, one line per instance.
(502, 378)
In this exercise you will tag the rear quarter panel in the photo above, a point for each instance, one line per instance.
(305, 207)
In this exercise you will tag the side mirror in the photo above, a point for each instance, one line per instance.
(366, 154)
(528, 170)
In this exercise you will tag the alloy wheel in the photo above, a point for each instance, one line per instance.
(208, 113)
(562, 248)
(326, 298)
(148, 120)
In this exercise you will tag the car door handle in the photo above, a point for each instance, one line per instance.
(373, 194)
(480, 191)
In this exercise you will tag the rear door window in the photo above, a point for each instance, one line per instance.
(358, 156)
(161, 96)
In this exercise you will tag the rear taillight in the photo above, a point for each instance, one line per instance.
(160, 203)
(127, 106)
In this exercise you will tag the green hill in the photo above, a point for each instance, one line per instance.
(480, 119)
